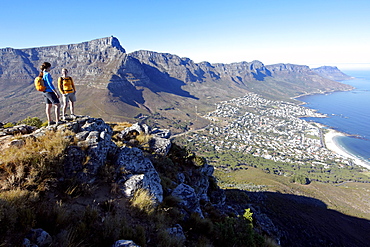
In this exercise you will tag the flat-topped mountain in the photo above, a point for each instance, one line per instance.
(332, 73)
(120, 86)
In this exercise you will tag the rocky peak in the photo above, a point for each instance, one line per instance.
(91, 63)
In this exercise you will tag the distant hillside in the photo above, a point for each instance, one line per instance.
(161, 88)
(332, 73)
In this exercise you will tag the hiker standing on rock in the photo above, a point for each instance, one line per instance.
(50, 94)
(67, 89)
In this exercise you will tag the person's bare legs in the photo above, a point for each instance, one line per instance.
(48, 112)
(72, 107)
(65, 105)
(57, 111)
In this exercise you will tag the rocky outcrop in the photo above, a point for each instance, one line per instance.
(92, 147)
(174, 174)
(135, 172)
(188, 198)
(125, 243)
(37, 238)
(18, 129)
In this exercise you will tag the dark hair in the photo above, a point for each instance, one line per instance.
(43, 66)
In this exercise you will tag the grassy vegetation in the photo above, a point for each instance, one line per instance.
(351, 198)
(35, 163)
(31, 121)
(230, 160)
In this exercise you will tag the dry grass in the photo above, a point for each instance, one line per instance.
(32, 162)
(119, 126)
(143, 201)
(143, 140)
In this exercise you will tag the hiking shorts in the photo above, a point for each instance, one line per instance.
(50, 98)
(69, 96)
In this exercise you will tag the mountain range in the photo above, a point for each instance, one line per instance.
(163, 88)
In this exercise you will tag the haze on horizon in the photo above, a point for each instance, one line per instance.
(314, 33)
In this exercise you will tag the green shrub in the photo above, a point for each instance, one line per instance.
(9, 125)
(299, 179)
(167, 240)
(35, 121)
(236, 232)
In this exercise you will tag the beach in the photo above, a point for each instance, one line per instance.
(332, 144)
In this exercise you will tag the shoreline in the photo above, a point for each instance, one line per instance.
(333, 145)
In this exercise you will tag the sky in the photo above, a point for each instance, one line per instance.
(305, 32)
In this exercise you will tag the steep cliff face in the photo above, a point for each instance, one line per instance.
(119, 86)
(93, 62)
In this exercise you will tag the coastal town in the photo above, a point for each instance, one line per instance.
(270, 129)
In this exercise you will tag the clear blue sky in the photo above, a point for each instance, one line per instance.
(310, 32)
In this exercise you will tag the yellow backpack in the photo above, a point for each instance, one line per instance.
(39, 84)
(67, 84)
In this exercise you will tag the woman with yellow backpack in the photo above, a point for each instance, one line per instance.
(67, 89)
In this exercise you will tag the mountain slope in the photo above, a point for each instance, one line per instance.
(160, 87)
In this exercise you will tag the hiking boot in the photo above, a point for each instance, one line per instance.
(51, 123)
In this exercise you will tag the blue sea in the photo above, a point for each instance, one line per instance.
(347, 112)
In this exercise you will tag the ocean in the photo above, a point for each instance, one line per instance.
(347, 112)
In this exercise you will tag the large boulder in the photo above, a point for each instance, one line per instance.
(125, 243)
(38, 237)
(188, 198)
(160, 145)
(136, 171)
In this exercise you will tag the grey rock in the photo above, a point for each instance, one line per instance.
(19, 129)
(141, 173)
(39, 237)
(160, 145)
(73, 163)
(17, 143)
(162, 133)
(125, 243)
(27, 243)
(181, 177)
(81, 136)
(177, 232)
(93, 141)
(188, 198)
(134, 129)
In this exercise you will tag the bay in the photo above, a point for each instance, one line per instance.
(347, 112)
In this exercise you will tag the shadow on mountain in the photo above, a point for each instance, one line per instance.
(259, 75)
(120, 87)
(162, 82)
(305, 221)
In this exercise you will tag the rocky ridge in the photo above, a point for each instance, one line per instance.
(144, 82)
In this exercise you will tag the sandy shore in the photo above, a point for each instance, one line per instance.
(332, 145)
